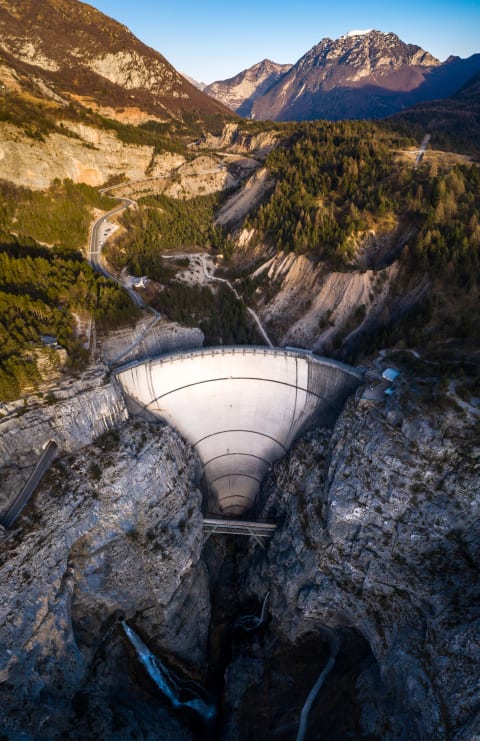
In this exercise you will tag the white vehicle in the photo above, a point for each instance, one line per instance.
(141, 283)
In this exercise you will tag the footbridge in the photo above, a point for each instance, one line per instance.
(241, 408)
(257, 529)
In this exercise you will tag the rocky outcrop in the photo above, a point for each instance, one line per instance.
(117, 526)
(201, 176)
(95, 155)
(144, 340)
(130, 70)
(239, 141)
(304, 305)
(380, 535)
(242, 202)
(73, 415)
(83, 410)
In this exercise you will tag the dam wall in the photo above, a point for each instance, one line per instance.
(241, 408)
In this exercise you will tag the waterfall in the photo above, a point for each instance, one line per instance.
(166, 682)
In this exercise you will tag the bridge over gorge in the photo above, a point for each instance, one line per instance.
(257, 529)
(241, 408)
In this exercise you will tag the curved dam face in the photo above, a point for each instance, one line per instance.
(240, 407)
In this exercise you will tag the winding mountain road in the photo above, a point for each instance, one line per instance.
(96, 242)
(95, 259)
(95, 251)
(97, 237)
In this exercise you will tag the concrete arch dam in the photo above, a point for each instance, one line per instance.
(241, 408)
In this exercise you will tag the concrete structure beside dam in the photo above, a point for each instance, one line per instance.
(241, 408)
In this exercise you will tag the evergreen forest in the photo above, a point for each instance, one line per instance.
(45, 280)
(331, 184)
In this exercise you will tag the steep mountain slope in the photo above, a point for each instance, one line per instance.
(196, 83)
(454, 123)
(240, 92)
(365, 75)
(81, 53)
(353, 247)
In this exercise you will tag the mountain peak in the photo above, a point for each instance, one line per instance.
(240, 92)
(357, 75)
(379, 47)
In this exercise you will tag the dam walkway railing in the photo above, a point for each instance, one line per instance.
(257, 529)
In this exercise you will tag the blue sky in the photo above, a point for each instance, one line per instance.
(215, 40)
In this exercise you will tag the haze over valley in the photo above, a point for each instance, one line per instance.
(239, 388)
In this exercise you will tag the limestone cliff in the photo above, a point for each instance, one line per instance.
(380, 535)
(73, 416)
(116, 526)
(34, 164)
(312, 306)
(375, 551)
(304, 303)
(82, 410)
(237, 140)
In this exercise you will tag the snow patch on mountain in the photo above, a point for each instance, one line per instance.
(349, 34)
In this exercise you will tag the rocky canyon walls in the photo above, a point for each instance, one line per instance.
(117, 526)
(380, 535)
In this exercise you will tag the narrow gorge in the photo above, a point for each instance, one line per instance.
(373, 553)
(239, 384)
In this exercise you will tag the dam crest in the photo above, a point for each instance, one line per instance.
(240, 407)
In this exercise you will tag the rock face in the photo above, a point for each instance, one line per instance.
(239, 92)
(199, 177)
(123, 346)
(374, 557)
(95, 155)
(34, 164)
(242, 142)
(77, 50)
(303, 305)
(83, 410)
(116, 527)
(239, 205)
(380, 535)
(360, 75)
